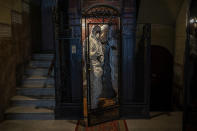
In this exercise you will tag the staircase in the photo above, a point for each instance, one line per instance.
(35, 99)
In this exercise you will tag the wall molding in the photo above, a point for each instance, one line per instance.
(16, 17)
(5, 30)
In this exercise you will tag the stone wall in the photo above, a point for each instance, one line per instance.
(163, 35)
(161, 14)
(8, 75)
(15, 47)
(168, 20)
(179, 54)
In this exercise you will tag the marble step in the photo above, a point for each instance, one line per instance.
(39, 64)
(36, 72)
(38, 92)
(38, 83)
(33, 101)
(29, 113)
(43, 57)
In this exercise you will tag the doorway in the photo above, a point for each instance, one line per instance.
(161, 79)
(101, 49)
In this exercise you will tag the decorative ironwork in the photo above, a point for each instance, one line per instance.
(101, 11)
(101, 36)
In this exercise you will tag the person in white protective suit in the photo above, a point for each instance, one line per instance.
(96, 56)
(113, 42)
(108, 90)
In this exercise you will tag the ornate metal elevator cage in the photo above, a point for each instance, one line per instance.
(99, 16)
(133, 95)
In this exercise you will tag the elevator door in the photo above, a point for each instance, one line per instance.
(101, 49)
(102, 72)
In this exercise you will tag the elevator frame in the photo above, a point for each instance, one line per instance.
(101, 12)
(68, 75)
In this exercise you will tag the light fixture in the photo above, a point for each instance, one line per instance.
(193, 20)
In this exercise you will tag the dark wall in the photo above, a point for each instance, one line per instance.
(36, 26)
(190, 72)
(8, 75)
(68, 64)
(42, 25)
(47, 26)
(193, 9)
(15, 52)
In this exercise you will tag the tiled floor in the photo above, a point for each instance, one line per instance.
(158, 122)
(38, 125)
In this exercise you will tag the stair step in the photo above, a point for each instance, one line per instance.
(36, 72)
(35, 77)
(43, 56)
(40, 64)
(32, 101)
(35, 100)
(38, 83)
(38, 92)
(29, 113)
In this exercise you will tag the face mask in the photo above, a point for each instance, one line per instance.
(98, 36)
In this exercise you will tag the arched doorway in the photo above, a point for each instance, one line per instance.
(161, 79)
(101, 63)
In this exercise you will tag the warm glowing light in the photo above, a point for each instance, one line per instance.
(193, 20)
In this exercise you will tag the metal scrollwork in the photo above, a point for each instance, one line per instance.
(101, 12)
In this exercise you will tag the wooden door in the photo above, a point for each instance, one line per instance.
(161, 79)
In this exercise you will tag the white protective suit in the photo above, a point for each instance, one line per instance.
(96, 56)
(108, 91)
(113, 42)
